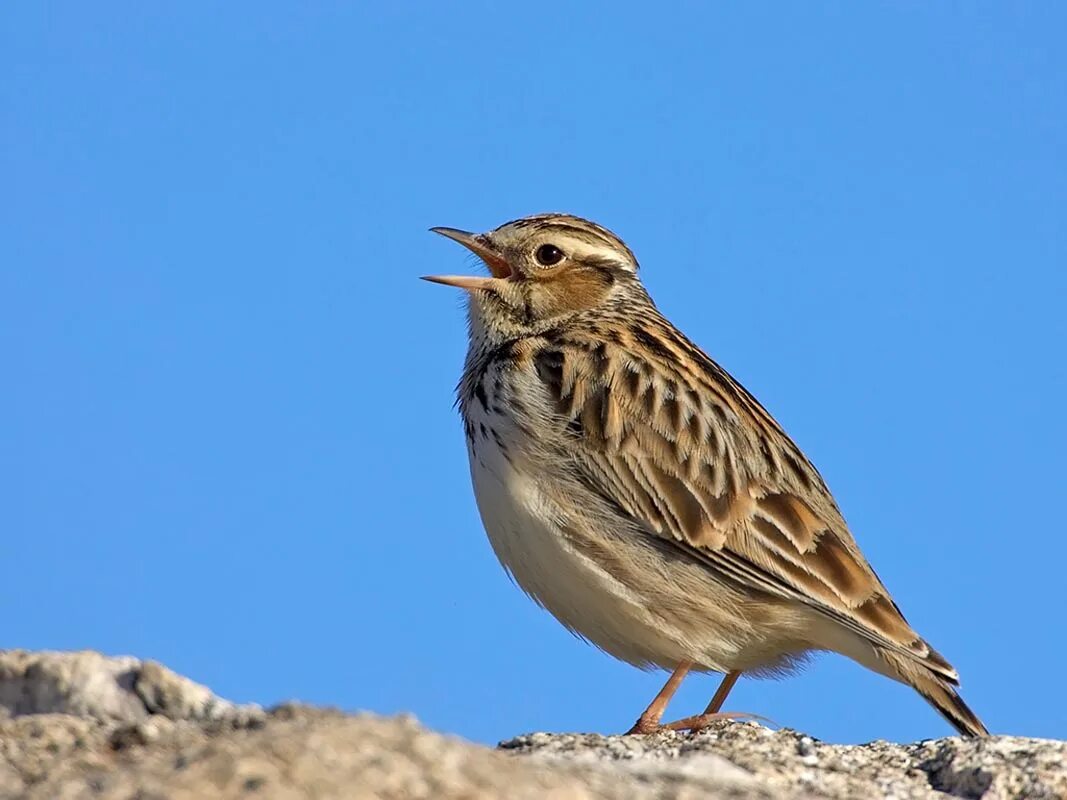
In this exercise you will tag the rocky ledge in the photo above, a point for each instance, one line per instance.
(76, 725)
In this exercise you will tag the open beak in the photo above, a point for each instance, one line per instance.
(477, 244)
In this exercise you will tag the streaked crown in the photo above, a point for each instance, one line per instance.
(587, 239)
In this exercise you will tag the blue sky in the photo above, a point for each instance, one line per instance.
(227, 439)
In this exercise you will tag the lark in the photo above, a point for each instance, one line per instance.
(642, 496)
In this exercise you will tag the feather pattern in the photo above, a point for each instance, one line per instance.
(704, 465)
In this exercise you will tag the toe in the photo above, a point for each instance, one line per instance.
(699, 722)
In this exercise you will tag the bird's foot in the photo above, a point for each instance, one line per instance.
(699, 722)
(645, 725)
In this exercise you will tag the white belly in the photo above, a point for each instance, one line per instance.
(524, 527)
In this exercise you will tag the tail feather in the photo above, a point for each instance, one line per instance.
(950, 705)
(939, 691)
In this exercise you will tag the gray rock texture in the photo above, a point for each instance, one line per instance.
(785, 763)
(81, 725)
(118, 689)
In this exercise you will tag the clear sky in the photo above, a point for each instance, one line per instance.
(227, 439)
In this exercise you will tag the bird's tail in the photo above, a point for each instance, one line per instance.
(938, 686)
(944, 697)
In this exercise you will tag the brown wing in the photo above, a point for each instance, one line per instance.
(669, 437)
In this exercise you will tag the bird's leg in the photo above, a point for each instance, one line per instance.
(728, 681)
(712, 712)
(648, 722)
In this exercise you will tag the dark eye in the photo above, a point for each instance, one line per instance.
(548, 254)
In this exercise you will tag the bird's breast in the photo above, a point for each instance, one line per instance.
(553, 552)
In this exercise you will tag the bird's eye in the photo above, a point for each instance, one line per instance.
(548, 254)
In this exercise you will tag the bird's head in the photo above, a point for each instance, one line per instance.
(543, 269)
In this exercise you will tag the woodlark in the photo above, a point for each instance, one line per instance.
(642, 495)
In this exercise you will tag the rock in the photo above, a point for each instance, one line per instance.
(88, 684)
(789, 764)
(295, 752)
(76, 725)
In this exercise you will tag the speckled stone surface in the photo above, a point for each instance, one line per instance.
(82, 725)
(790, 764)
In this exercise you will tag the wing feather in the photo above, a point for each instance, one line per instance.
(690, 455)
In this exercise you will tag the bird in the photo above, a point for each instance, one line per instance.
(637, 492)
